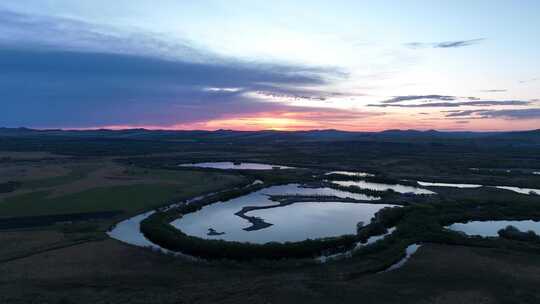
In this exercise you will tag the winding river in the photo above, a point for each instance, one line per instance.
(305, 219)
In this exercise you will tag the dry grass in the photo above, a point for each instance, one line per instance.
(106, 174)
(77, 176)
(32, 155)
(110, 272)
(21, 242)
(31, 171)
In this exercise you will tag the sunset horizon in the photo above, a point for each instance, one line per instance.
(285, 151)
(253, 65)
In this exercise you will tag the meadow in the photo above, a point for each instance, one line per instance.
(71, 188)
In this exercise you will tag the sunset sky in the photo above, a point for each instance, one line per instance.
(285, 65)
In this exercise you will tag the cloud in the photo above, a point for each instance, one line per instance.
(528, 80)
(457, 104)
(459, 43)
(495, 91)
(460, 114)
(60, 72)
(531, 113)
(444, 44)
(47, 33)
(397, 99)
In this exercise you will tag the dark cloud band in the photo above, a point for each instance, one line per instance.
(457, 104)
(444, 44)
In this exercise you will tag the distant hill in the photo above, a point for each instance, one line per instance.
(516, 137)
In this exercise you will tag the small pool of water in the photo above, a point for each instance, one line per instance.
(428, 184)
(350, 173)
(295, 222)
(491, 228)
(346, 254)
(239, 166)
(520, 190)
(383, 187)
(409, 251)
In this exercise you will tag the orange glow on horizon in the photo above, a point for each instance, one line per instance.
(340, 120)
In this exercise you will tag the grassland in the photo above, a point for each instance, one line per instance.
(52, 186)
(110, 272)
(106, 186)
(74, 262)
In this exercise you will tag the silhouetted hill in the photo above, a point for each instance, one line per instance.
(141, 141)
(327, 134)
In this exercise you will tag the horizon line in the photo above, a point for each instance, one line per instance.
(260, 130)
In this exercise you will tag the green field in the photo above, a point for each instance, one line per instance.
(162, 187)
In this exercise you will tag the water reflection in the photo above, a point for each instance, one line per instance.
(428, 184)
(346, 254)
(128, 231)
(350, 173)
(294, 222)
(409, 251)
(237, 166)
(520, 190)
(383, 187)
(490, 228)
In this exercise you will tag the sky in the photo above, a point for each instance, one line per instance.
(283, 65)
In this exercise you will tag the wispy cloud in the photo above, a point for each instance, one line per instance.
(397, 99)
(529, 80)
(457, 104)
(460, 113)
(494, 91)
(456, 44)
(531, 113)
(444, 44)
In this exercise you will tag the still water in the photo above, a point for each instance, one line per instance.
(428, 184)
(409, 251)
(350, 173)
(490, 228)
(383, 187)
(520, 190)
(231, 165)
(294, 222)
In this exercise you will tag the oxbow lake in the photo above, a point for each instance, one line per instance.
(295, 222)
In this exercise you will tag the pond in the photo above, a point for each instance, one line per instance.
(490, 228)
(235, 166)
(527, 191)
(350, 173)
(357, 246)
(383, 187)
(289, 223)
(520, 190)
(429, 184)
(409, 251)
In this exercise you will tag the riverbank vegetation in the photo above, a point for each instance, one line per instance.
(158, 229)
